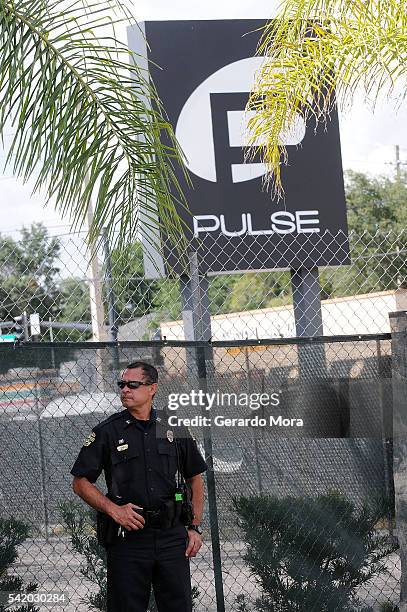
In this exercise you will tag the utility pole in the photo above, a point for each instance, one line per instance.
(111, 298)
(111, 302)
(398, 163)
(99, 334)
(95, 291)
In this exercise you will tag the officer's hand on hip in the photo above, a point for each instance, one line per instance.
(194, 543)
(127, 517)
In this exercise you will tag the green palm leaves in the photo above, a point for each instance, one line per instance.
(82, 121)
(318, 50)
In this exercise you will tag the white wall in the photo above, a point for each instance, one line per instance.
(360, 314)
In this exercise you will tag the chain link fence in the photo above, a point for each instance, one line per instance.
(298, 516)
(109, 296)
(300, 497)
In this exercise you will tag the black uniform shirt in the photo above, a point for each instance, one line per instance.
(139, 462)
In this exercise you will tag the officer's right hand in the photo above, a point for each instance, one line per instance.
(127, 517)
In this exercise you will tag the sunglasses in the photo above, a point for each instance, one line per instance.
(132, 384)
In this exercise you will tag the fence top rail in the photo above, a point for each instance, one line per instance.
(200, 343)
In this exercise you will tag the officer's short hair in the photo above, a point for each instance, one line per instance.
(150, 372)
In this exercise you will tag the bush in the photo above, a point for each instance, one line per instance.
(12, 534)
(311, 553)
(388, 606)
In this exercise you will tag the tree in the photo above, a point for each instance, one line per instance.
(29, 281)
(74, 306)
(80, 108)
(376, 217)
(134, 294)
(319, 51)
(376, 204)
(28, 274)
(260, 290)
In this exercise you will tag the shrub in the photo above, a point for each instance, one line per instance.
(388, 606)
(311, 553)
(12, 534)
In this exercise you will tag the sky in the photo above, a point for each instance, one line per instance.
(368, 138)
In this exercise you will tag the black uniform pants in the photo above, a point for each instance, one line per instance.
(144, 558)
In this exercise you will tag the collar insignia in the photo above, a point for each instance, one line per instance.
(89, 439)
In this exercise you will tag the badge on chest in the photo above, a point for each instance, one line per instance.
(122, 446)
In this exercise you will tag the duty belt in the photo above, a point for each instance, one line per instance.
(165, 517)
(153, 518)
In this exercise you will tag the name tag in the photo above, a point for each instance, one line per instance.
(123, 447)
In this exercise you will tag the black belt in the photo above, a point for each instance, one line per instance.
(153, 518)
(169, 515)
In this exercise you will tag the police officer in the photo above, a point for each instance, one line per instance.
(140, 455)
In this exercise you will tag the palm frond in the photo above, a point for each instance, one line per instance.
(83, 121)
(317, 52)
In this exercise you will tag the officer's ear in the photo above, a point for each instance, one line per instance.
(153, 388)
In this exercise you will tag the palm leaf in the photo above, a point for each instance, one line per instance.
(83, 119)
(317, 52)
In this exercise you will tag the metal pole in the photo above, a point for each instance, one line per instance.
(111, 298)
(256, 446)
(387, 440)
(100, 380)
(51, 337)
(258, 470)
(25, 325)
(211, 485)
(254, 429)
(189, 331)
(398, 325)
(95, 293)
(42, 462)
(197, 326)
(398, 163)
(308, 318)
(196, 314)
(111, 301)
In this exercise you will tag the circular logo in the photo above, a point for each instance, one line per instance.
(197, 131)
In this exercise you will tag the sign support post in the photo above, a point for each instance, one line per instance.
(308, 317)
(195, 310)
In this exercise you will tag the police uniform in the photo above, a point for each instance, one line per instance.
(139, 460)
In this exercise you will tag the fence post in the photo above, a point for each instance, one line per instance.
(210, 479)
(197, 326)
(387, 438)
(41, 456)
(398, 325)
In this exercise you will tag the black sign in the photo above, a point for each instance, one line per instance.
(203, 71)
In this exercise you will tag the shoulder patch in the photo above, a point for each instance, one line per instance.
(89, 439)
